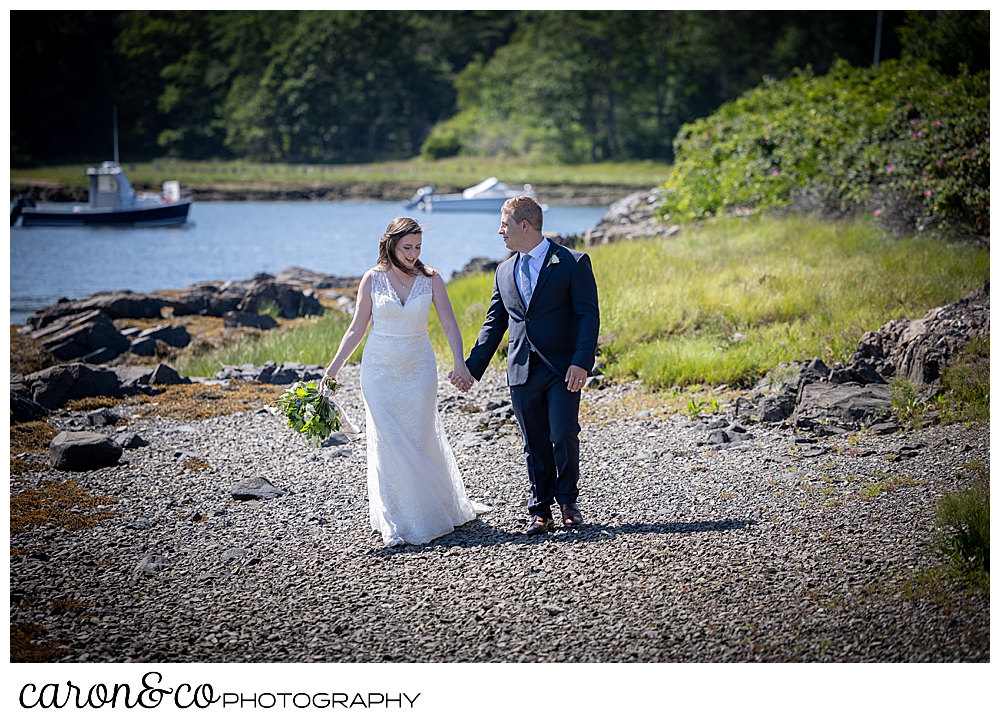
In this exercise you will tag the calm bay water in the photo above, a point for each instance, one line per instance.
(226, 241)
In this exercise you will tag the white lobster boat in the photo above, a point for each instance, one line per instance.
(485, 197)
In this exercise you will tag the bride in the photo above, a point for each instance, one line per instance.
(415, 489)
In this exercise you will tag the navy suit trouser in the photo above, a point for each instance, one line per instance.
(548, 415)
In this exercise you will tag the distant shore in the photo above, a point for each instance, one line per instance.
(563, 194)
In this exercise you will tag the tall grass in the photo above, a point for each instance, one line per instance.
(725, 302)
(314, 342)
(719, 304)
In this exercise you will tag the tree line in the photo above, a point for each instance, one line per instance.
(360, 86)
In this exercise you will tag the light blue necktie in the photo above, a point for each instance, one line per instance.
(524, 279)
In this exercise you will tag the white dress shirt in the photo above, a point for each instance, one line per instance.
(536, 260)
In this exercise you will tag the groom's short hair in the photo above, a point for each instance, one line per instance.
(524, 208)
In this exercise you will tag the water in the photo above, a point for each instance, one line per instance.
(230, 240)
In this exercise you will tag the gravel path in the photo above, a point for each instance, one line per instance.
(767, 550)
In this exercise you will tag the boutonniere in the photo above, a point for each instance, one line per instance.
(553, 260)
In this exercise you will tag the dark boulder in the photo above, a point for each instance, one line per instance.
(114, 304)
(130, 440)
(290, 303)
(256, 488)
(82, 451)
(166, 375)
(271, 373)
(143, 347)
(848, 404)
(918, 349)
(52, 387)
(74, 336)
(25, 409)
(177, 336)
(102, 418)
(478, 265)
(306, 279)
(233, 319)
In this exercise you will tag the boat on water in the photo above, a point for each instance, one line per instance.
(111, 201)
(485, 197)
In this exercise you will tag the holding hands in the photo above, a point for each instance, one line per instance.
(461, 377)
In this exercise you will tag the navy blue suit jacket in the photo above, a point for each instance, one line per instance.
(562, 322)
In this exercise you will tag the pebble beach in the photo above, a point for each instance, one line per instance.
(778, 548)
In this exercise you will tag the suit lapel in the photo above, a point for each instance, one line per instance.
(543, 275)
(509, 279)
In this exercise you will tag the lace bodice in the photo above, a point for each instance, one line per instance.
(390, 315)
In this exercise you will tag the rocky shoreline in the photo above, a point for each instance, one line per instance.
(561, 194)
(793, 523)
(753, 551)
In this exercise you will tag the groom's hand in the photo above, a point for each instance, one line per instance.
(463, 384)
(576, 377)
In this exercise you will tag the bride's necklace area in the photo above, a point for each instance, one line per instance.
(402, 283)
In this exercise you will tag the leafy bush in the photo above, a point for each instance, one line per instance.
(902, 141)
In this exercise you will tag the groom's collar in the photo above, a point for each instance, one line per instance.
(540, 250)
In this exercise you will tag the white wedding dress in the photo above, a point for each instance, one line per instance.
(415, 489)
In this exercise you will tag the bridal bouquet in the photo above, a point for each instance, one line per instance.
(309, 411)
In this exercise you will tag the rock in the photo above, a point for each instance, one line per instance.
(291, 303)
(631, 217)
(143, 347)
(918, 349)
(140, 524)
(256, 488)
(82, 451)
(176, 336)
(717, 436)
(233, 319)
(883, 428)
(776, 407)
(113, 304)
(209, 298)
(102, 418)
(271, 373)
(849, 404)
(233, 553)
(478, 265)
(166, 375)
(130, 440)
(53, 386)
(131, 377)
(303, 278)
(74, 336)
(864, 371)
(25, 409)
(153, 563)
(336, 439)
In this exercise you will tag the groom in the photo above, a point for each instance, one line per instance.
(545, 295)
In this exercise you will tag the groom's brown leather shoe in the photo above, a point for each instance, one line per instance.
(539, 526)
(571, 514)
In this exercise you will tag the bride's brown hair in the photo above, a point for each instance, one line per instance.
(397, 229)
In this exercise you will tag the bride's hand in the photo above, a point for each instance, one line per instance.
(461, 377)
(322, 384)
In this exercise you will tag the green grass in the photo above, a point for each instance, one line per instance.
(416, 172)
(963, 532)
(794, 289)
(314, 342)
(965, 382)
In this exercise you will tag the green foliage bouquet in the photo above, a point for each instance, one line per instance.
(307, 410)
